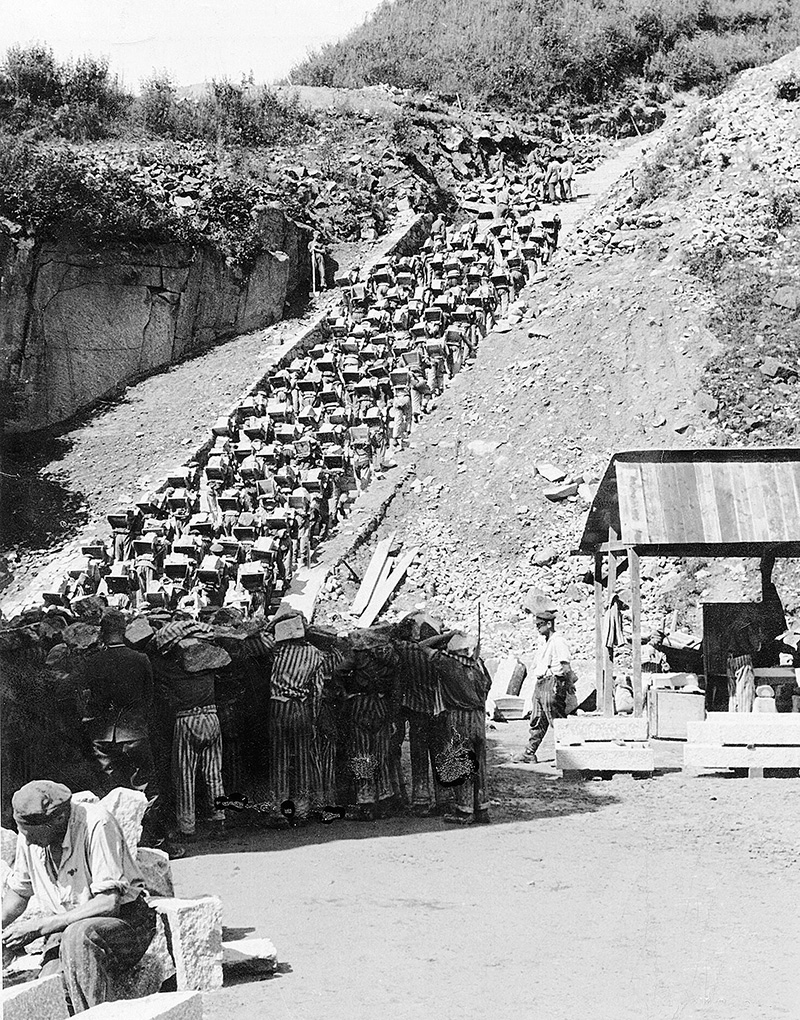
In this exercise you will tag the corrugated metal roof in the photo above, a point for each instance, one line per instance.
(695, 502)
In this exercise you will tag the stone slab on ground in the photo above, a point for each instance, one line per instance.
(163, 1006)
(42, 999)
(605, 757)
(715, 756)
(249, 956)
(195, 931)
(579, 729)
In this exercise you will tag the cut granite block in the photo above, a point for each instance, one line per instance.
(165, 1006)
(195, 934)
(128, 807)
(249, 956)
(8, 846)
(156, 871)
(42, 999)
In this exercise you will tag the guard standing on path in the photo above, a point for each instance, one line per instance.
(120, 684)
(554, 683)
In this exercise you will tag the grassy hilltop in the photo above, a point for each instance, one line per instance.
(533, 53)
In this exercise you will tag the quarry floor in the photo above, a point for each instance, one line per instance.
(672, 898)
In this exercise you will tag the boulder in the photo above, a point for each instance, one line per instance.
(545, 557)
(787, 297)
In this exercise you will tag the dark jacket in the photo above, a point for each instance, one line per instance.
(120, 683)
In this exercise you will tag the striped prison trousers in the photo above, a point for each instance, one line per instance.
(197, 741)
(424, 741)
(469, 725)
(292, 771)
(368, 725)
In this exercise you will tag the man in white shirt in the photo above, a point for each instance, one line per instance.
(74, 859)
(553, 683)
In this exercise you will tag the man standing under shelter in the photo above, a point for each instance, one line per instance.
(554, 683)
(74, 859)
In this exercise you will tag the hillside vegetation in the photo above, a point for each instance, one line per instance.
(533, 53)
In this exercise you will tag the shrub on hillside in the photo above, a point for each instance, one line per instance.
(536, 53)
(78, 100)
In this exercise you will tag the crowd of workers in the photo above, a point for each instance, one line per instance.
(284, 467)
(200, 695)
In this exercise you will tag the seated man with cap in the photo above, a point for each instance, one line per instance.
(74, 859)
(554, 681)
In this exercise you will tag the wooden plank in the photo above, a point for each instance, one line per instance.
(598, 627)
(372, 576)
(759, 480)
(636, 632)
(585, 728)
(708, 756)
(670, 491)
(741, 729)
(656, 525)
(781, 505)
(385, 588)
(704, 483)
(632, 512)
(726, 510)
(606, 757)
(686, 487)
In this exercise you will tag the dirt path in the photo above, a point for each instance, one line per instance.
(667, 899)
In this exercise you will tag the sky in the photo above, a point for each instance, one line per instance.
(195, 40)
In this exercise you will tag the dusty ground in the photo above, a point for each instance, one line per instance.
(665, 899)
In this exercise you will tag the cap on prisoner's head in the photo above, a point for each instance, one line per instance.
(112, 624)
(41, 811)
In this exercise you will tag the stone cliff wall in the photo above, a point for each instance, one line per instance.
(77, 324)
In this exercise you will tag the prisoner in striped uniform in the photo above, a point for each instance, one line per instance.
(296, 671)
(367, 673)
(196, 744)
(421, 706)
(465, 684)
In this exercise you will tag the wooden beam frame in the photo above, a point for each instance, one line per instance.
(636, 630)
(608, 653)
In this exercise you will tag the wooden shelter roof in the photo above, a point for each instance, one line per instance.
(717, 502)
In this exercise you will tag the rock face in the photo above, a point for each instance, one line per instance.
(78, 324)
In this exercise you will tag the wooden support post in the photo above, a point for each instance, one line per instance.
(598, 626)
(636, 630)
(608, 653)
